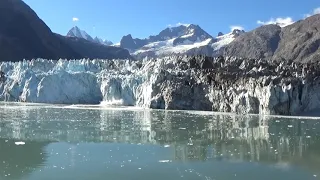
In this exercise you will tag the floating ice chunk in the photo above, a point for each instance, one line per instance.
(165, 161)
(19, 143)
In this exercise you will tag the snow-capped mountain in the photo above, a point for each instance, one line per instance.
(224, 39)
(183, 39)
(180, 35)
(77, 32)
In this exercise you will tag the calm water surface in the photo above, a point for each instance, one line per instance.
(43, 142)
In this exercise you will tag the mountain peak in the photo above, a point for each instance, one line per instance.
(75, 27)
(102, 41)
(98, 40)
(237, 32)
(128, 42)
(192, 26)
(183, 30)
(77, 32)
(180, 25)
(220, 34)
(189, 35)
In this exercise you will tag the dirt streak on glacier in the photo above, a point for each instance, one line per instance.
(176, 82)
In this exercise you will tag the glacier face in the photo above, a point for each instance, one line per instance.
(176, 82)
(77, 81)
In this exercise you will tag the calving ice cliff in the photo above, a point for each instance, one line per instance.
(227, 84)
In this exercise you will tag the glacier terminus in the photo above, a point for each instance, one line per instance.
(226, 84)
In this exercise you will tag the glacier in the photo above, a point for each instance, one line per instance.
(227, 84)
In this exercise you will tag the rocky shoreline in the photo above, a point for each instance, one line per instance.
(226, 84)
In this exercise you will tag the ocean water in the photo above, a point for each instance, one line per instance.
(44, 142)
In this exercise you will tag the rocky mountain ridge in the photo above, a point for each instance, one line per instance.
(299, 42)
(23, 35)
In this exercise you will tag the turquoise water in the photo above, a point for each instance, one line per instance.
(40, 142)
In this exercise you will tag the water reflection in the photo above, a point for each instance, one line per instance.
(18, 161)
(280, 142)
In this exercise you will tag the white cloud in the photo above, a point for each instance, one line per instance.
(177, 24)
(75, 19)
(182, 24)
(282, 22)
(315, 11)
(236, 27)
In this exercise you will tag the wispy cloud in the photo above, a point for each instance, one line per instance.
(74, 19)
(236, 27)
(182, 24)
(282, 22)
(178, 24)
(285, 21)
(315, 11)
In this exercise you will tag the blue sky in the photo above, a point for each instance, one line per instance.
(112, 19)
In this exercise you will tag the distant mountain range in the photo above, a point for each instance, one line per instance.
(183, 39)
(299, 41)
(23, 35)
